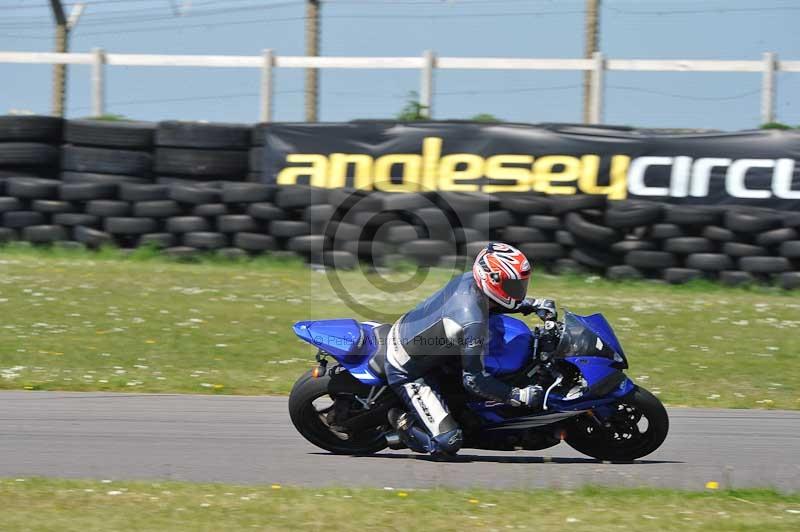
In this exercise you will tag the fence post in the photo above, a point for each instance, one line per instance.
(266, 86)
(768, 89)
(98, 82)
(426, 84)
(598, 80)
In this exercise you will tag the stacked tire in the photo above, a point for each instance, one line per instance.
(183, 187)
(341, 227)
(29, 146)
(107, 152)
(28, 207)
(197, 151)
(766, 245)
(733, 244)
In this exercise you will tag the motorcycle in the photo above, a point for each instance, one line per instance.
(589, 402)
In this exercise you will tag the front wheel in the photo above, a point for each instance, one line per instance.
(636, 427)
(314, 411)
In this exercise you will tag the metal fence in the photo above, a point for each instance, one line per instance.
(427, 64)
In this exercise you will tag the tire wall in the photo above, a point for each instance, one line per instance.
(184, 187)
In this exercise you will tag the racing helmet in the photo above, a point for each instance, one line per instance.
(502, 272)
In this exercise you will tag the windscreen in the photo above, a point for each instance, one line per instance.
(578, 339)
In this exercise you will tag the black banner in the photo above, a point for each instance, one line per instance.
(748, 167)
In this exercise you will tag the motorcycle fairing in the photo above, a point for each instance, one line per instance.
(535, 420)
(601, 327)
(558, 408)
(598, 373)
(589, 336)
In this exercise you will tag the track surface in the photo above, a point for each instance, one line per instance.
(251, 440)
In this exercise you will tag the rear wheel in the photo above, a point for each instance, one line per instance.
(637, 426)
(314, 413)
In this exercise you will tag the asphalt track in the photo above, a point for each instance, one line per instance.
(250, 440)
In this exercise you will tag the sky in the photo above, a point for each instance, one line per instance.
(641, 29)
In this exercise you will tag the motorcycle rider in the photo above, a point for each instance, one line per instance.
(453, 321)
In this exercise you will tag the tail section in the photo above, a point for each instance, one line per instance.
(348, 341)
(342, 338)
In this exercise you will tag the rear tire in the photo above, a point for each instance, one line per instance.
(590, 438)
(308, 420)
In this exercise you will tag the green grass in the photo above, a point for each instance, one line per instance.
(63, 505)
(81, 321)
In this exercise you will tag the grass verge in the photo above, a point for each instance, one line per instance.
(103, 321)
(62, 505)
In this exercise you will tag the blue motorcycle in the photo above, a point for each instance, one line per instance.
(589, 402)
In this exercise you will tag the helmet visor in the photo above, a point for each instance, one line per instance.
(516, 288)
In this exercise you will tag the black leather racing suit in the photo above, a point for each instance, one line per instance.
(451, 322)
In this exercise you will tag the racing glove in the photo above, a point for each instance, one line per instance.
(530, 396)
(544, 308)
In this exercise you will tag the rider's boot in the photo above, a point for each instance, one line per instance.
(415, 438)
(393, 440)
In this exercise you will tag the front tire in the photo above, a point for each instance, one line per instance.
(310, 421)
(622, 436)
